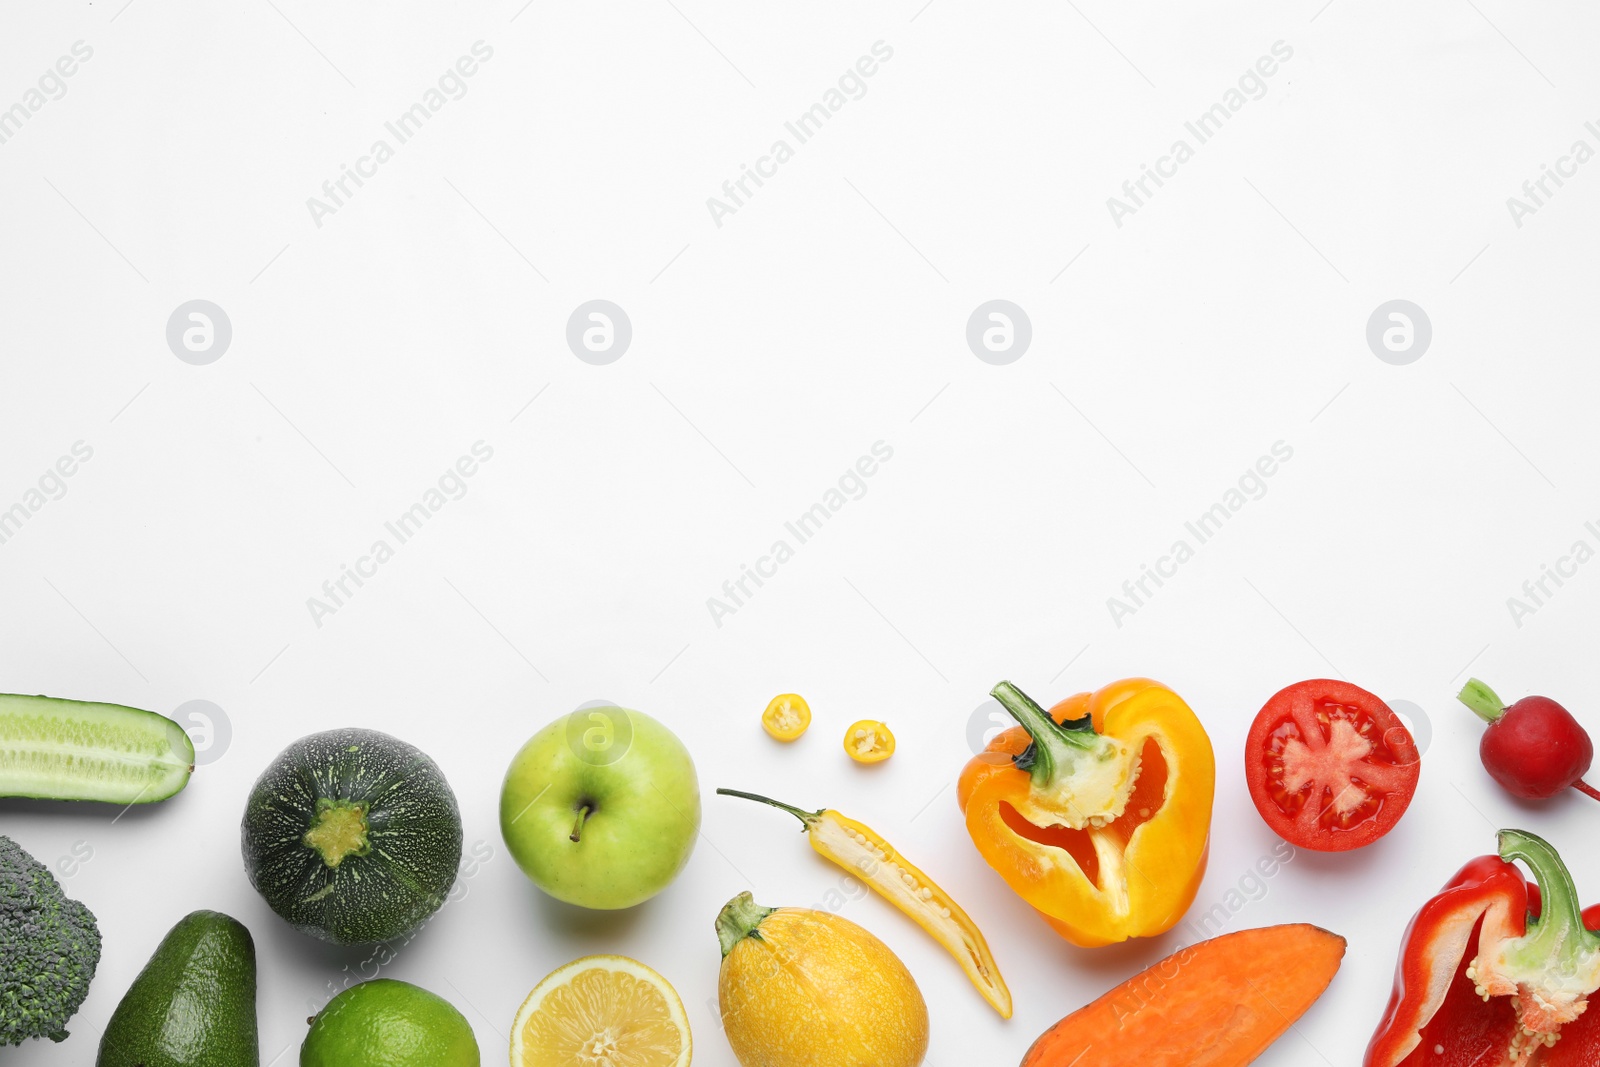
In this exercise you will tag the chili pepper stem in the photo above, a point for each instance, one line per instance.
(806, 817)
(1055, 745)
(1482, 700)
(1586, 789)
(1559, 931)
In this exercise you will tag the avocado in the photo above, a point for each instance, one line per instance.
(193, 1005)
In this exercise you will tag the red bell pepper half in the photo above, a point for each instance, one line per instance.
(1519, 998)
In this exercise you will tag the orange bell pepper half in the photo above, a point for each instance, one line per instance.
(1098, 812)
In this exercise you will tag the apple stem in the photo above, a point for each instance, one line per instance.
(577, 829)
(806, 817)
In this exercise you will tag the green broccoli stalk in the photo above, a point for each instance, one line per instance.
(49, 948)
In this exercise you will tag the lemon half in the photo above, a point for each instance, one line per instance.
(603, 1010)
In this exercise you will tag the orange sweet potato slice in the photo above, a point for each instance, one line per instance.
(1219, 1003)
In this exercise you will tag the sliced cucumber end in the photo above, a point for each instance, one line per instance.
(53, 749)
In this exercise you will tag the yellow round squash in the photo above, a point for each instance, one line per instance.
(803, 988)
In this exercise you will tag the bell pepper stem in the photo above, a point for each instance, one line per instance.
(806, 817)
(1482, 700)
(1054, 744)
(1559, 929)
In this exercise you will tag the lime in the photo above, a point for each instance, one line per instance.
(385, 1023)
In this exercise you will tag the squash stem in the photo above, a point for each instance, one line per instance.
(739, 919)
(338, 829)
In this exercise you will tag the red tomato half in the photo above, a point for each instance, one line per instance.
(1330, 766)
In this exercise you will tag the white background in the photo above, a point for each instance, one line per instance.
(768, 354)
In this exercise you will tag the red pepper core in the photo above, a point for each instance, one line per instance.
(1519, 996)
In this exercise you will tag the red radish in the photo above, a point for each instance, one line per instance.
(1534, 748)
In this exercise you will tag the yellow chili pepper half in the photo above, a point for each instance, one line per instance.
(859, 850)
(869, 741)
(787, 716)
(1097, 812)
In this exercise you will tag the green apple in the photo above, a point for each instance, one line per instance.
(601, 808)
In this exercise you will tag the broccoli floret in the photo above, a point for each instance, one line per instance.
(49, 948)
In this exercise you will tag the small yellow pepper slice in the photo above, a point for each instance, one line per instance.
(868, 741)
(856, 848)
(787, 716)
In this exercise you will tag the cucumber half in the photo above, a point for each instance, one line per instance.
(71, 750)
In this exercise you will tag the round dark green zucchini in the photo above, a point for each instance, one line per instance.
(352, 836)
